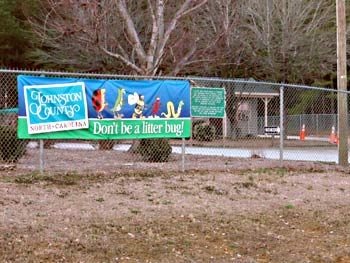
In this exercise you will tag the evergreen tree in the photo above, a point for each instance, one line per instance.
(14, 37)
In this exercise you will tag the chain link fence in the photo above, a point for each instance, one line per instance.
(257, 124)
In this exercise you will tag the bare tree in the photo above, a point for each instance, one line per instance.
(290, 40)
(221, 21)
(141, 37)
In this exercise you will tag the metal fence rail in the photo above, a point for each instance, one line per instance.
(250, 107)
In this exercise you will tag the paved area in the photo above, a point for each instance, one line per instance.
(297, 154)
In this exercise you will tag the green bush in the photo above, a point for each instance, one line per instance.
(197, 122)
(11, 148)
(204, 132)
(154, 150)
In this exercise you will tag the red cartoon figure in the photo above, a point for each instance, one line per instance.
(99, 101)
(156, 106)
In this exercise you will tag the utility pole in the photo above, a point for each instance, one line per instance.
(342, 84)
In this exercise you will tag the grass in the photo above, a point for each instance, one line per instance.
(73, 178)
(135, 211)
(35, 177)
(247, 184)
(166, 202)
(233, 247)
(209, 188)
(100, 199)
(281, 171)
(187, 243)
(289, 206)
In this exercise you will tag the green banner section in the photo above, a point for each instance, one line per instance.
(208, 102)
(107, 129)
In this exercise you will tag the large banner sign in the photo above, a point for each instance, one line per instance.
(69, 108)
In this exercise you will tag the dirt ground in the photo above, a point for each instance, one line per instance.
(92, 207)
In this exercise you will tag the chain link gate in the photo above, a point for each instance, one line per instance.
(306, 120)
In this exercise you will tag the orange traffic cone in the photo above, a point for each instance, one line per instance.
(336, 139)
(302, 133)
(332, 136)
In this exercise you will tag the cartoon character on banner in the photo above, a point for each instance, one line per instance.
(139, 101)
(118, 104)
(171, 110)
(99, 102)
(156, 107)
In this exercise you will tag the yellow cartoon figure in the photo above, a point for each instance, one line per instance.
(171, 110)
(139, 107)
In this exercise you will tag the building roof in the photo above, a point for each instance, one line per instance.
(253, 89)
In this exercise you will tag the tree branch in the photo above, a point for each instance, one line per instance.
(180, 13)
(154, 37)
(131, 31)
(124, 60)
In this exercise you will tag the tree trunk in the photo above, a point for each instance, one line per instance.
(106, 145)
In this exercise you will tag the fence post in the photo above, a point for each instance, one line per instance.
(41, 149)
(281, 124)
(183, 155)
(41, 153)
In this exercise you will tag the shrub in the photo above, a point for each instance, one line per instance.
(204, 132)
(197, 122)
(11, 148)
(154, 150)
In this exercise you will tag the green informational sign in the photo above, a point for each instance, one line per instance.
(208, 102)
